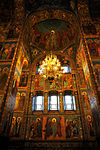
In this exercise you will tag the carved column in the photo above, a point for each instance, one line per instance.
(25, 121)
(84, 19)
(81, 108)
(44, 127)
(45, 103)
(93, 98)
(61, 102)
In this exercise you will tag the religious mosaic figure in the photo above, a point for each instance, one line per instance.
(12, 131)
(48, 128)
(41, 84)
(53, 128)
(67, 82)
(74, 128)
(71, 128)
(86, 100)
(74, 81)
(18, 126)
(21, 102)
(15, 84)
(53, 39)
(36, 83)
(90, 125)
(68, 129)
(17, 101)
(81, 78)
(3, 77)
(36, 128)
(23, 80)
(97, 73)
(25, 64)
(52, 84)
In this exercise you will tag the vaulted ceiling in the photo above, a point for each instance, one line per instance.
(54, 30)
(50, 25)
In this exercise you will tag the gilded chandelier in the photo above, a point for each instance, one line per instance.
(50, 67)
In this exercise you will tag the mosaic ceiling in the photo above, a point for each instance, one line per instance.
(54, 30)
(52, 35)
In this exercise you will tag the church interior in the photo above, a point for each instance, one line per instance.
(50, 74)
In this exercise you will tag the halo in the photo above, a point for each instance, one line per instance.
(18, 93)
(84, 93)
(19, 118)
(14, 118)
(38, 119)
(52, 31)
(54, 120)
(88, 117)
(23, 94)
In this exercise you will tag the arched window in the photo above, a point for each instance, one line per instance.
(69, 101)
(53, 100)
(38, 102)
(66, 67)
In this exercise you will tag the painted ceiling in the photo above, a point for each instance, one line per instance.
(54, 30)
(52, 34)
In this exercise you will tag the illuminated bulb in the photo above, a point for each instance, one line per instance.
(52, 63)
(58, 64)
(55, 68)
(45, 64)
(44, 76)
(48, 68)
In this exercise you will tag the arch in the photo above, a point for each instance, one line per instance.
(35, 50)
